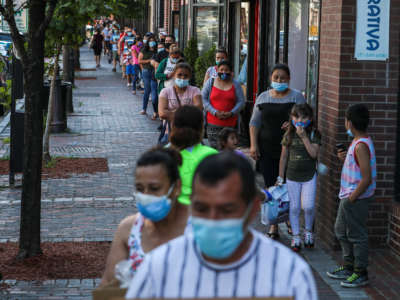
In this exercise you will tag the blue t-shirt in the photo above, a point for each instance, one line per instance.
(115, 39)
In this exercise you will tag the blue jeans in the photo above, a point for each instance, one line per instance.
(150, 87)
(136, 76)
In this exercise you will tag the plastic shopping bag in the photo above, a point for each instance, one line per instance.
(275, 208)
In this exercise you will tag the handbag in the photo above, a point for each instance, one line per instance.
(163, 138)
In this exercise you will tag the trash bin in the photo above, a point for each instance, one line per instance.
(66, 92)
(17, 142)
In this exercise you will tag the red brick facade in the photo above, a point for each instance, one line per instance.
(344, 81)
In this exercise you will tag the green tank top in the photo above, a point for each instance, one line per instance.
(191, 159)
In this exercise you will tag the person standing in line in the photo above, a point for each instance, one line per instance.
(114, 46)
(166, 68)
(150, 82)
(212, 72)
(161, 55)
(357, 189)
(179, 94)
(187, 130)
(135, 51)
(160, 217)
(223, 257)
(223, 99)
(300, 147)
(97, 46)
(106, 35)
(268, 123)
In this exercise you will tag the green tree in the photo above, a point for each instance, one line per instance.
(203, 63)
(30, 49)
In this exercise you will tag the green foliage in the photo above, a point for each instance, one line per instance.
(5, 94)
(206, 60)
(6, 140)
(191, 51)
(131, 9)
(51, 163)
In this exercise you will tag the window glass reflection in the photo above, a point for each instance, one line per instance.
(206, 27)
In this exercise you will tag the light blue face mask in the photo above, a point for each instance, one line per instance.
(160, 50)
(173, 60)
(279, 86)
(219, 238)
(301, 124)
(182, 82)
(154, 208)
(152, 44)
(349, 133)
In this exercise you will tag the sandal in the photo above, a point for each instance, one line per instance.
(289, 228)
(154, 117)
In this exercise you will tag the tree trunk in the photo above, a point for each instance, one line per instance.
(29, 242)
(46, 138)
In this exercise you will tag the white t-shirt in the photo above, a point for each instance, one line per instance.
(178, 270)
(169, 68)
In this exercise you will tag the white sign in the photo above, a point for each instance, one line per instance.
(372, 35)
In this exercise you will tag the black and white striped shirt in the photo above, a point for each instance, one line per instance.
(178, 270)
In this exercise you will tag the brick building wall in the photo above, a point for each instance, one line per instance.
(344, 81)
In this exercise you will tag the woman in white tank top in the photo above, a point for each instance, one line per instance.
(160, 218)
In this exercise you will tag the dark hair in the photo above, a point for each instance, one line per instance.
(181, 64)
(300, 111)
(282, 67)
(171, 36)
(358, 115)
(222, 50)
(169, 158)
(187, 127)
(224, 135)
(147, 45)
(225, 63)
(217, 167)
(161, 43)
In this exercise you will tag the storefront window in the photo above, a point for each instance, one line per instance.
(207, 1)
(313, 53)
(297, 48)
(206, 26)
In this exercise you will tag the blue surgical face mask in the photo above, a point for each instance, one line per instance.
(181, 82)
(349, 133)
(219, 238)
(129, 33)
(279, 86)
(144, 41)
(217, 62)
(160, 50)
(152, 44)
(301, 124)
(173, 60)
(154, 208)
(224, 76)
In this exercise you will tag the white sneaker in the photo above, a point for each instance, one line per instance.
(308, 239)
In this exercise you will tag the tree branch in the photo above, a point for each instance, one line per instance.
(18, 39)
(50, 12)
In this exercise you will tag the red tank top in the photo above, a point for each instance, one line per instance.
(223, 101)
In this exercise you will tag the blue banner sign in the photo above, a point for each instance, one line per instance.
(372, 30)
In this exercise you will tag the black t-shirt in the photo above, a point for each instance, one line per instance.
(158, 57)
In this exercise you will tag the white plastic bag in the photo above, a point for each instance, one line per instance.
(275, 208)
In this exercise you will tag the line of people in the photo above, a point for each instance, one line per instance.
(216, 238)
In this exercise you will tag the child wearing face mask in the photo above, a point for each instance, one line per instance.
(300, 146)
(357, 189)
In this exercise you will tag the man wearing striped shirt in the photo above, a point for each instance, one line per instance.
(222, 257)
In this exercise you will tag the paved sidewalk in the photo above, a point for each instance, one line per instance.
(88, 207)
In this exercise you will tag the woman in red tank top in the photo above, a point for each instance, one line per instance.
(223, 100)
